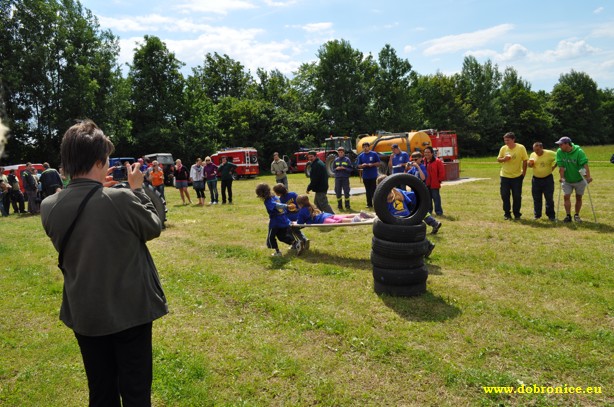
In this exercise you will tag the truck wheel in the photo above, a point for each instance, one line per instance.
(399, 233)
(380, 200)
(330, 159)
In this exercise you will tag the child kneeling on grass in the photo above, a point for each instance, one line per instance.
(279, 224)
(401, 203)
(309, 214)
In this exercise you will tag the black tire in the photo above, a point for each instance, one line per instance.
(308, 169)
(399, 250)
(399, 290)
(380, 198)
(385, 262)
(329, 164)
(416, 275)
(399, 233)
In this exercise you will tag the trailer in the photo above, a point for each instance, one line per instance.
(245, 158)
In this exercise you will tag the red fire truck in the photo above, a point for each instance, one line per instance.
(245, 158)
(446, 145)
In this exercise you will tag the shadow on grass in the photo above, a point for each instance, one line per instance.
(316, 256)
(597, 227)
(434, 270)
(427, 307)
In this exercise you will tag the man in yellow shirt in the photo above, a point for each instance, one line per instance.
(513, 158)
(543, 163)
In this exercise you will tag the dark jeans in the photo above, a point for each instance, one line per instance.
(370, 185)
(543, 186)
(436, 201)
(160, 189)
(18, 202)
(212, 184)
(226, 186)
(513, 187)
(321, 201)
(118, 365)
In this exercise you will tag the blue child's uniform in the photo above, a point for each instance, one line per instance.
(414, 171)
(279, 224)
(305, 218)
(290, 199)
(404, 207)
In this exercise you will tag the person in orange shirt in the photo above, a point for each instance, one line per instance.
(155, 176)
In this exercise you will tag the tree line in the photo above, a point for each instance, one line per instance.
(57, 65)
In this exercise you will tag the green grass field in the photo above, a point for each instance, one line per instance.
(509, 303)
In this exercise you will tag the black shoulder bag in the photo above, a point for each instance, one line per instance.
(72, 226)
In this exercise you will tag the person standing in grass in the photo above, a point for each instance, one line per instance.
(226, 171)
(573, 170)
(343, 169)
(279, 168)
(197, 176)
(112, 292)
(543, 163)
(211, 175)
(436, 174)
(279, 224)
(418, 170)
(182, 174)
(369, 161)
(319, 182)
(513, 158)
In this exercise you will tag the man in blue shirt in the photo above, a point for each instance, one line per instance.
(343, 169)
(398, 160)
(369, 162)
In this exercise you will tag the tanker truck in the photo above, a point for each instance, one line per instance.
(381, 142)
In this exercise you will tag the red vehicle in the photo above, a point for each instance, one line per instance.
(327, 154)
(299, 160)
(245, 158)
(446, 145)
(19, 168)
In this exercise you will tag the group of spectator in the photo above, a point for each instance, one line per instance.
(201, 174)
(574, 175)
(37, 186)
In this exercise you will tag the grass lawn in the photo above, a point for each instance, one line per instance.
(509, 303)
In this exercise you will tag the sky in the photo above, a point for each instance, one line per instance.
(541, 39)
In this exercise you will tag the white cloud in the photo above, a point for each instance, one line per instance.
(453, 43)
(567, 49)
(408, 48)
(604, 30)
(213, 6)
(511, 52)
(152, 23)
(598, 10)
(316, 27)
(272, 3)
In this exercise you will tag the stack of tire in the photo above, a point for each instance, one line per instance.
(399, 243)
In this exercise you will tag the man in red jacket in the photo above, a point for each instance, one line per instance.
(436, 174)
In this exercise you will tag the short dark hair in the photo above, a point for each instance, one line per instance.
(83, 145)
(280, 189)
(511, 135)
(538, 143)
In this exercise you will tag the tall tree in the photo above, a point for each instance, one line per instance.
(391, 108)
(157, 87)
(575, 104)
(345, 79)
(56, 66)
(479, 86)
(222, 77)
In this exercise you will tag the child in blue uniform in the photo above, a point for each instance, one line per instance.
(279, 224)
(289, 198)
(401, 203)
(418, 169)
(309, 214)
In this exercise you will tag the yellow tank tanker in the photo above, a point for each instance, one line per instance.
(382, 143)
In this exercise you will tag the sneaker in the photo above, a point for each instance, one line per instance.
(357, 219)
(576, 218)
(306, 244)
(507, 217)
(537, 217)
(429, 250)
(436, 228)
(299, 247)
(366, 215)
(215, 203)
(567, 219)
(276, 254)
(552, 219)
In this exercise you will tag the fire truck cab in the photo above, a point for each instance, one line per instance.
(245, 158)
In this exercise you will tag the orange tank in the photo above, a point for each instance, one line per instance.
(382, 142)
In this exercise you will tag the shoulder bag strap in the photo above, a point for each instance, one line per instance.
(72, 225)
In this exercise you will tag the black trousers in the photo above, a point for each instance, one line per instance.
(543, 186)
(226, 186)
(118, 366)
(370, 185)
(283, 234)
(513, 187)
